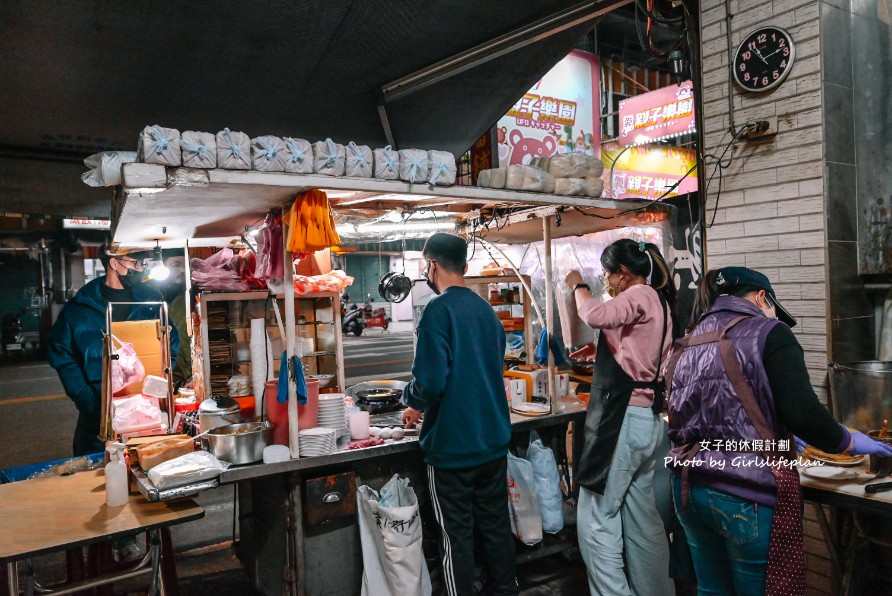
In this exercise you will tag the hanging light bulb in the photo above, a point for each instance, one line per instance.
(157, 269)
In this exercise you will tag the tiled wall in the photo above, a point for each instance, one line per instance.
(771, 211)
(857, 81)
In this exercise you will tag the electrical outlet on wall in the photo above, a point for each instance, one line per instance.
(762, 127)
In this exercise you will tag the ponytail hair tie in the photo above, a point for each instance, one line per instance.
(641, 246)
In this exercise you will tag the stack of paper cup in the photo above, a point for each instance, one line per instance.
(358, 422)
(261, 356)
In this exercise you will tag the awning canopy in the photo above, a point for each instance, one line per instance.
(81, 77)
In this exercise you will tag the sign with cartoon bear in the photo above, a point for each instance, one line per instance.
(558, 115)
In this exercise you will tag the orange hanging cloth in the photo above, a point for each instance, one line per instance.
(310, 223)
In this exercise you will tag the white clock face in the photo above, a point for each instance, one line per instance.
(764, 58)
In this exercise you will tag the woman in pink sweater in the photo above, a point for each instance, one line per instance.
(617, 512)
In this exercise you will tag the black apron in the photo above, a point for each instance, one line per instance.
(610, 394)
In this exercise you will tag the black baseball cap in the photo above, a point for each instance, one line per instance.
(735, 277)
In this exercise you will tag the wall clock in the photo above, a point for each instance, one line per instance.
(764, 59)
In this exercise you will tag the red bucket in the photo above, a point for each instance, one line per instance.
(277, 414)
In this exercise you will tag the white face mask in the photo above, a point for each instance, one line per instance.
(767, 307)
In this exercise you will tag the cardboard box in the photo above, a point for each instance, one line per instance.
(144, 335)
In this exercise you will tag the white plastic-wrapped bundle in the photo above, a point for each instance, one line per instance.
(159, 145)
(329, 158)
(540, 162)
(105, 167)
(575, 165)
(497, 177)
(529, 178)
(199, 149)
(589, 187)
(297, 156)
(414, 165)
(442, 164)
(359, 161)
(233, 150)
(267, 154)
(494, 178)
(548, 182)
(387, 163)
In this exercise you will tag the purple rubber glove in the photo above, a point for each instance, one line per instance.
(864, 445)
(800, 444)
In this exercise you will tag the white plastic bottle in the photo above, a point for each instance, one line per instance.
(116, 476)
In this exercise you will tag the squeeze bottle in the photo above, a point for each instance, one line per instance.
(116, 476)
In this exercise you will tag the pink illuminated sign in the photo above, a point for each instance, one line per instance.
(660, 114)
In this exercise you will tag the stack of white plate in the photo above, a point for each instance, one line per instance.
(317, 441)
(332, 414)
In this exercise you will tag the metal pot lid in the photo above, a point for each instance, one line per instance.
(219, 404)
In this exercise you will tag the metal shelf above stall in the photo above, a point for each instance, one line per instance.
(211, 207)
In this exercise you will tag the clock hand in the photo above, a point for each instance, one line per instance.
(772, 53)
(759, 54)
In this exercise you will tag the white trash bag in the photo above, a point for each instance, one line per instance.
(523, 504)
(390, 533)
(548, 485)
(105, 167)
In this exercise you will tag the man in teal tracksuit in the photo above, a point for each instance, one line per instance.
(75, 340)
(458, 387)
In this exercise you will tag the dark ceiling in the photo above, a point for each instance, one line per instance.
(80, 77)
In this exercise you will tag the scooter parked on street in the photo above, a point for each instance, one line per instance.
(353, 320)
(375, 318)
(12, 339)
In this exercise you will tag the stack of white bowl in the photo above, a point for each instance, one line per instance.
(275, 453)
(317, 441)
(332, 414)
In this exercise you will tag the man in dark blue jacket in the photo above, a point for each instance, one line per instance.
(458, 387)
(75, 346)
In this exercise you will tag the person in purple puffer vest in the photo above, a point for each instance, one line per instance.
(739, 384)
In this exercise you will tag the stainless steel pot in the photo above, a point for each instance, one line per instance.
(218, 411)
(241, 443)
(861, 393)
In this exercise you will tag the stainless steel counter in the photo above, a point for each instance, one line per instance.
(519, 423)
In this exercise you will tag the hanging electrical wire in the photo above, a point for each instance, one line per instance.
(719, 166)
(647, 41)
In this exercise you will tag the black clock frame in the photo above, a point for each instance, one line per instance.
(742, 48)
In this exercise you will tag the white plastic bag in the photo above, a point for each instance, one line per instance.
(233, 150)
(588, 187)
(133, 414)
(390, 535)
(443, 169)
(186, 469)
(359, 161)
(574, 331)
(199, 149)
(519, 177)
(267, 154)
(159, 145)
(387, 163)
(298, 156)
(523, 504)
(105, 167)
(548, 485)
(415, 167)
(574, 165)
(329, 158)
